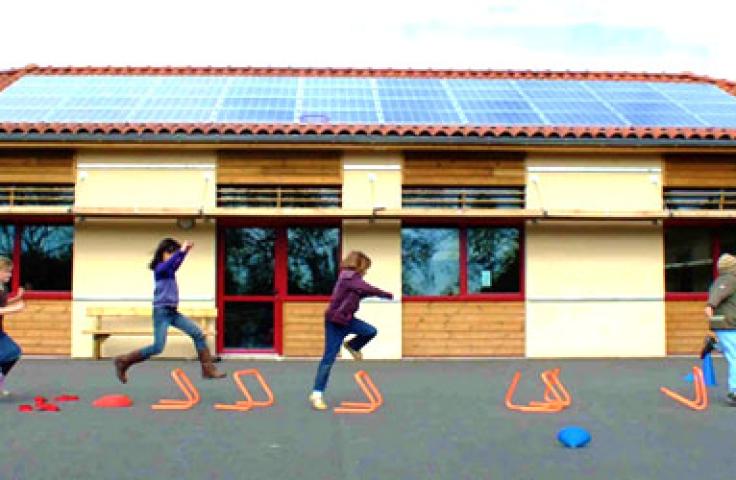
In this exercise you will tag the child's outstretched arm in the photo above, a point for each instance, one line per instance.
(14, 308)
(365, 289)
(175, 260)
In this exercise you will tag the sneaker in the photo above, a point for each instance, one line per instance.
(731, 399)
(4, 393)
(355, 353)
(709, 345)
(318, 403)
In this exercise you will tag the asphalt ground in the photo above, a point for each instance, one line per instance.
(441, 419)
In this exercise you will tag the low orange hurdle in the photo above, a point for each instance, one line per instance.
(701, 392)
(185, 385)
(248, 403)
(556, 396)
(375, 399)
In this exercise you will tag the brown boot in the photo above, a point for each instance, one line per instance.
(123, 362)
(208, 368)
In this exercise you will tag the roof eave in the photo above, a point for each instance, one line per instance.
(349, 139)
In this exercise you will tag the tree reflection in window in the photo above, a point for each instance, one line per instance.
(249, 261)
(312, 260)
(430, 261)
(493, 260)
(46, 257)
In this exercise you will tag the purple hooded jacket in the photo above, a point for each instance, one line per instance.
(349, 290)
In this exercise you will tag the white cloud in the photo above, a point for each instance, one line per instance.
(674, 36)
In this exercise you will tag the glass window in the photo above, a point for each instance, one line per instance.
(688, 260)
(249, 261)
(312, 260)
(46, 257)
(248, 325)
(7, 240)
(430, 261)
(728, 241)
(493, 260)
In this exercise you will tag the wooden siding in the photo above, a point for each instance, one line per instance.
(43, 328)
(685, 326)
(705, 171)
(21, 166)
(463, 329)
(279, 168)
(303, 332)
(462, 168)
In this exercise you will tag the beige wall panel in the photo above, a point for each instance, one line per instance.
(367, 187)
(280, 167)
(592, 190)
(604, 281)
(111, 179)
(595, 329)
(463, 329)
(110, 269)
(381, 241)
(304, 329)
(686, 327)
(43, 328)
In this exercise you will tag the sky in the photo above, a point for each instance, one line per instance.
(633, 35)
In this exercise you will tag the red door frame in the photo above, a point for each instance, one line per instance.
(281, 281)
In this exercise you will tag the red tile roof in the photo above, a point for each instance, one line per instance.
(402, 131)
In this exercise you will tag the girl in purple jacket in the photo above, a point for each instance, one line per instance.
(166, 261)
(340, 319)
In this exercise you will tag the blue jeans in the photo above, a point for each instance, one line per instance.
(334, 335)
(727, 345)
(163, 317)
(9, 353)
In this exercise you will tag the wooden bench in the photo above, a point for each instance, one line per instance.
(201, 316)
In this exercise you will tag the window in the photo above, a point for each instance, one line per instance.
(41, 254)
(460, 261)
(312, 253)
(691, 255)
(249, 261)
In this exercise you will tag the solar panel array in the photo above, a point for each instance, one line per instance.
(347, 100)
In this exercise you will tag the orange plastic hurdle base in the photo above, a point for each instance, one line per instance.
(701, 392)
(556, 396)
(185, 385)
(375, 399)
(248, 403)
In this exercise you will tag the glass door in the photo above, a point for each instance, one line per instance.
(249, 300)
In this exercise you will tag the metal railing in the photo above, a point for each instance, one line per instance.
(462, 197)
(37, 195)
(700, 199)
(250, 196)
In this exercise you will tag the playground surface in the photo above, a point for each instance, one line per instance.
(440, 419)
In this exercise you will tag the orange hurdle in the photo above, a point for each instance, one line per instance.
(701, 392)
(248, 403)
(556, 396)
(186, 386)
(375, 399)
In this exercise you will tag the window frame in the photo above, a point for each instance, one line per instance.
(19, 224)
(713, 228)
(464, 295)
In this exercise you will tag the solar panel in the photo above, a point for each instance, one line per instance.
(336, 100)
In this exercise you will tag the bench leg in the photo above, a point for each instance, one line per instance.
(98, 339)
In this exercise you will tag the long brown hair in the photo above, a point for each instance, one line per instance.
(357, 261)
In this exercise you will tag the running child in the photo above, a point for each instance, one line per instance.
(166, 261)
(10, 352)
(340, 319)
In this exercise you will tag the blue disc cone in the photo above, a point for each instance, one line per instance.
(709, 373)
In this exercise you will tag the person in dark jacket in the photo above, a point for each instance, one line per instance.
(340, 319)
(166, 261)
(721, 311)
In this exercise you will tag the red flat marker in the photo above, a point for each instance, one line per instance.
(25, 408)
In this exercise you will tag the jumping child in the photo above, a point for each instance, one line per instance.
(166, 261)
(340, 319)
(721, 310)
(9, 350)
